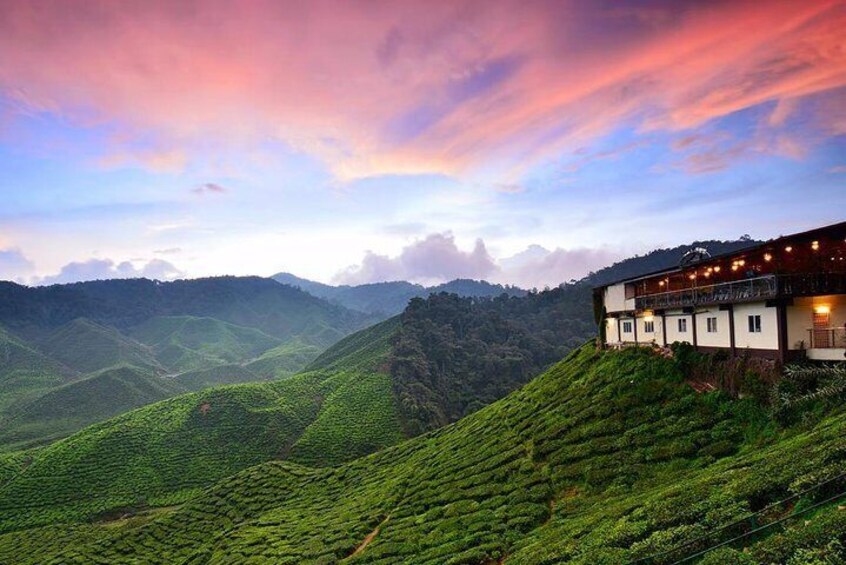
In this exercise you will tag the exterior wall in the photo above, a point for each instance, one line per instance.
(611, 335)
(800, 317)
(767, 338)
(833, 354)
(798, 321)
(615, 298)
(720, 338)
(626, 337)
(645, 337)
(673, 333)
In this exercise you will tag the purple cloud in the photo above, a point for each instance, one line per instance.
(209, 188)
(434, 259)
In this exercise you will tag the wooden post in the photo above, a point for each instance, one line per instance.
(732, 343)
(634, 326)
(781, 321)
(693, 323)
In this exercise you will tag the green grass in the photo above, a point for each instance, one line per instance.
(602, 459)
(183, 343)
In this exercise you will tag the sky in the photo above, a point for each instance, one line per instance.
(348, 142)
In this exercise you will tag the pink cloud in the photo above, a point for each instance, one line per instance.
(409, 87)
(539, 267)
(433, 259)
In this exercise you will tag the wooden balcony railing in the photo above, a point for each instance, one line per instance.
(827, 338)
(811, 284)
(758, 288)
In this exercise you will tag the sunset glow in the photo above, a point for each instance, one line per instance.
(362, 141)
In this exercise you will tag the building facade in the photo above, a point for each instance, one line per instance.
(784, 299)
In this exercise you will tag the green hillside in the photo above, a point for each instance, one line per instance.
(87, 346)
(285, 359)
(182, 343)
(75, 405)
(605, 458)
(25, 372)
(164, 453)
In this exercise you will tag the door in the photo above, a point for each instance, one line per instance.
(822, 330)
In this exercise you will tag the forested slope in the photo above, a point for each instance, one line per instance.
(605, 458)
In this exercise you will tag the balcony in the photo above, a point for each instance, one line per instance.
(758, 288)
(811, 284)
(827, 344)
(747, 290)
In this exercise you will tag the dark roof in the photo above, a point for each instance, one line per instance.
(841, 226)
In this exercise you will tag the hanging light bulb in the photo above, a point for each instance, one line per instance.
(768, 257)
(815, 245)
(789, 248)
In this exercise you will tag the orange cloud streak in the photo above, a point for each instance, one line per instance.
(409, 87)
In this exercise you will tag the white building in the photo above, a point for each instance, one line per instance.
(784, 299)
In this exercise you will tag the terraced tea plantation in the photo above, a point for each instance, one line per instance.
(164, 453)
(605, 458)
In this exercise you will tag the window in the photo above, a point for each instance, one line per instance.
(627, 327)
(682, 325)
(649, 327)
(711, 324)
(755, 324)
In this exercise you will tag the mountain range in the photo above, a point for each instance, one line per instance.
(390, 298)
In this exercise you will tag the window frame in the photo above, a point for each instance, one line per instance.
(682, 325)
(711, 325)
(754, 323)
(627, 326)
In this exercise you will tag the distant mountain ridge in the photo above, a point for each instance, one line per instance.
(109, 346)
(390, 298)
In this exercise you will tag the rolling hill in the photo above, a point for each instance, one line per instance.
(25, 372)
(605, 458)
(183, 343)
(70, 407)
(87, 346)
(103, 346)
(277, 310)
(164, 453)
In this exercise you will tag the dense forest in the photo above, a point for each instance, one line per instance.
(453, 355)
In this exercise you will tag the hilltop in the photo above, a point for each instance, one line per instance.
(604, 458)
